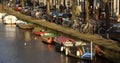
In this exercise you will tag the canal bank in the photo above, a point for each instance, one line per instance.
(111, 48)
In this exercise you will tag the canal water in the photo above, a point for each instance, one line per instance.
(20, 46)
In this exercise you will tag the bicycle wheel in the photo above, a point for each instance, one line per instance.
(101, 31)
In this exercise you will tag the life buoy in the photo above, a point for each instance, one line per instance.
(98, 51)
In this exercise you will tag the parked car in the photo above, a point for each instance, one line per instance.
(114, 32)
(26, 10)
(59, 18)
(62, 17)
(18, 7)
(52, 16)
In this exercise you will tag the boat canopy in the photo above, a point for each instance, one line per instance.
(64, 39)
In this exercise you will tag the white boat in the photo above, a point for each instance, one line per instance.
(10, 19)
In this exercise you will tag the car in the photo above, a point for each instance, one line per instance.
(114, 32)
(52, 16)
(59, 18)
(18, 7)
(62, 17)
(26, 10)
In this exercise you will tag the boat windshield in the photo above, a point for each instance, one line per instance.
(68, 43)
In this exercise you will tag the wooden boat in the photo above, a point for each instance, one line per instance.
(48, 38)
(73, 48)
(25, 26)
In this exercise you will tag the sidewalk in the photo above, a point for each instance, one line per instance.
(111, 48)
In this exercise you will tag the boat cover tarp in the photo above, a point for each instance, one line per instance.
(64, 39)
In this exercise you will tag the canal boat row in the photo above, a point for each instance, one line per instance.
(67, 45)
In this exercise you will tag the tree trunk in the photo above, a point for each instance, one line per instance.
(14, 2)
(107, 11)
(73, 9)
(87, 10)
(48, 7)
(22, 2)
(34, 4)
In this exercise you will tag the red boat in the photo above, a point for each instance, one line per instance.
(38, 33)
(62, 40)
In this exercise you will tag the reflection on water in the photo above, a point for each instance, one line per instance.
(10, 32)
(27, 36)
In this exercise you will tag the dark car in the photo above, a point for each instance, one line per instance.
(27, 10)
(62, 17)
(59, 18)
(114, 32)
(52, 16)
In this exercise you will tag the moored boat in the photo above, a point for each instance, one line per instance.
(48, 38)
(38, 33)
(25, 26)
(84, 51)
(10, 19)
(74, 48)
(62, 42)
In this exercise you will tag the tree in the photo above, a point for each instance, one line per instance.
(48, 6)
(107, 12)
(87, 10)
(34, 4)
(14, 2)
(73, 9)
(22, 2)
